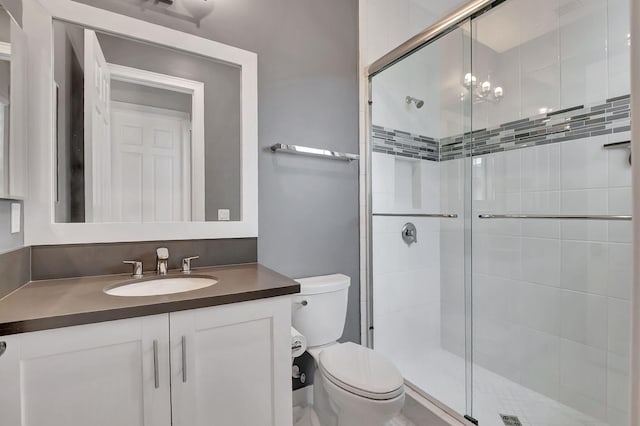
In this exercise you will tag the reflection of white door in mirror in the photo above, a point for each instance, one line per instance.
(193, 194)
(97, 140)
(151, 169)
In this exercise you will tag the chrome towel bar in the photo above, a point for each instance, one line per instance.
(313, 152)
(436, 215)
(559, 216)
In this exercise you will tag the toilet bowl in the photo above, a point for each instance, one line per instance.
(353, 385)
(356, 386)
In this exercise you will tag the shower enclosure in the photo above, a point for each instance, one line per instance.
(500, 228)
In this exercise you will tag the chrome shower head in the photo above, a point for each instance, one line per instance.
(418, 102)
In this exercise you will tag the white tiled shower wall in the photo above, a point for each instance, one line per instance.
(572, 54)
(550, 55)
(407, 278)
(389, 23)
(550, 298)
(383, 25)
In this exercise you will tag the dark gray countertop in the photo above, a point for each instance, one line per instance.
(42, 305)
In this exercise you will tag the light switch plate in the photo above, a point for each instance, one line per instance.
(223, 214)
(15, 218)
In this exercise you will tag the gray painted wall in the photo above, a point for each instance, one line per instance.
(5, 26)
(308, 94)
(14, 7)
(5, 78)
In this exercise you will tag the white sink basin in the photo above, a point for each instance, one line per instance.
(160, 286)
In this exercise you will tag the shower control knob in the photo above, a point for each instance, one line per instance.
(3, 348)
(409, 233)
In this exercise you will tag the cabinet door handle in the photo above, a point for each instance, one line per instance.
(156, 373)
(184, 359)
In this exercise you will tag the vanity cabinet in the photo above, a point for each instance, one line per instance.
(95, 374)
(225, 365)
(238, 365)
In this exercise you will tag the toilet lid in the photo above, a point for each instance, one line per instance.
(361, 371)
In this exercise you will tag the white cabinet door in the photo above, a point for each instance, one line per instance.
(231, 365)
(99, 374)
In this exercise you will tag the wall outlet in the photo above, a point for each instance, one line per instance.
(16, 218)
(223, 214)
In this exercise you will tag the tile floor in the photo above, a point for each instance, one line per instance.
(442, 374)
(306, 417)
(401, 420)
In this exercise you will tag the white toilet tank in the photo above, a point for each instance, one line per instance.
(319, 311)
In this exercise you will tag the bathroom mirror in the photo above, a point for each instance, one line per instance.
(12, 107)
(144, 133)
(153, 131)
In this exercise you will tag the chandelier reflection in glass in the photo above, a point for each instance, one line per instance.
(482, 92)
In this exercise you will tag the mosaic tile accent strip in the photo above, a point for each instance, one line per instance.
(403, 144)
(613, 116)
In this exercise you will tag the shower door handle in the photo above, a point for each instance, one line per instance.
(432, 215)
(557, 216)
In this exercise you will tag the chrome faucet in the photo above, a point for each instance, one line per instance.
(137, 267)
(186, 264)
(162, 260)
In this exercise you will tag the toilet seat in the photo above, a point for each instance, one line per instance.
(361, 371)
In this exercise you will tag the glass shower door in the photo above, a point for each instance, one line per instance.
(419, 121)
(551, 267)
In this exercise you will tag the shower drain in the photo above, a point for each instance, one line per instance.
(510, 420)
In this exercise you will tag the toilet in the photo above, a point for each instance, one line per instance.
(353, 385)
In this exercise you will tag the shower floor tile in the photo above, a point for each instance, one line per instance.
(442, 374)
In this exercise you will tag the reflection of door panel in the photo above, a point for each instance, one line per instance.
(151, 164)
(97, 151)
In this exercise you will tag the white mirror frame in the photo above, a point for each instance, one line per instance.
(40, 225)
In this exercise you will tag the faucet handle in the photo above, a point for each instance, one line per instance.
(162, 253)
(137, 267)
(186, 263)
